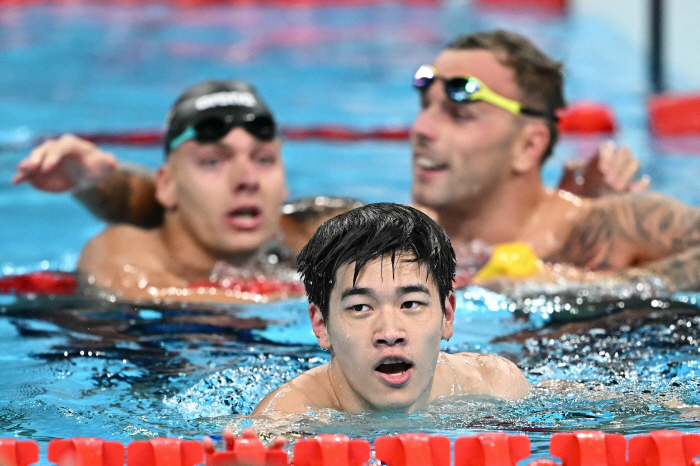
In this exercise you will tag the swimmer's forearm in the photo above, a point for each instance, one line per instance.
(126, 196)
(681, 272)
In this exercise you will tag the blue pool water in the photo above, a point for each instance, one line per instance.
(94, 368)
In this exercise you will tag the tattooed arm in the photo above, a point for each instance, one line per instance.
(126, 196)
(650, 232)
(116, 193)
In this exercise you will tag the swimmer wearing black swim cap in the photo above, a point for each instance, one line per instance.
(207, 111)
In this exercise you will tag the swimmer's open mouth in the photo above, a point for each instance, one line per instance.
(393, 366)
(245, 212)
(429, 164)
(245, 218)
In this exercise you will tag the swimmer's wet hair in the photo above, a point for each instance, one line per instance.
(375, 230)
(539, 77)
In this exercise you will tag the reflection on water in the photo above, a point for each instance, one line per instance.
(119, 371)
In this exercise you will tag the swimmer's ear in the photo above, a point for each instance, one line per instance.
(165, 187)
(319, 326)
(529, 146)
(449, 317)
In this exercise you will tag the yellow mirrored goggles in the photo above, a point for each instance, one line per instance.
(470, 89)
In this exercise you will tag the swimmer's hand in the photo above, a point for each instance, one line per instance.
(612, 170)
(66, 163)
(249, 435)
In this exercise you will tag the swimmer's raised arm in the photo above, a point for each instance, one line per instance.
(114, 192)
(126, 196)
(66, 163)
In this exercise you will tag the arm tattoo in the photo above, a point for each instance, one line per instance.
(124, 197)
(650, 225)
(681, 271)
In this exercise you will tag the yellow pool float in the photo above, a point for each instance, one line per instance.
(511, 260)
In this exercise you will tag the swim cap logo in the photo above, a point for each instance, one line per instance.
(225, 99)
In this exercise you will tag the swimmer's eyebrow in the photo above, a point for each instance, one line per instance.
(413, 289)
(355, 291)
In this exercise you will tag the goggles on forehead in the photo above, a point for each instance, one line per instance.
(215, 128)
(469, 89)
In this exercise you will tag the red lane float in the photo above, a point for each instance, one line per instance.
(18, 452)
(586, 117)
(554, 6)
(65, 283)
(59, 283)
(584, 448)
(164, 451)
(80, 451)
(337, 450)
(674, 115)
(249, 451)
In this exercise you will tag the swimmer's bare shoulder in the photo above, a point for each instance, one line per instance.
(123, 243)
(488, 374)
(302, 217)
(306, 392)
(119, 254)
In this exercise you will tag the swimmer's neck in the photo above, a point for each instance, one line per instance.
(499, 216)
(346, 401)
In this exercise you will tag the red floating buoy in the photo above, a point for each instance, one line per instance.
(62, 283)
(586, 117)
(672, 115)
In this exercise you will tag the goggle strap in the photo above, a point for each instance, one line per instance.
(488, 95)
(539, 113)
(188, 133)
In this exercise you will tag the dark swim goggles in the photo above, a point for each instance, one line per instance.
(214, 128)
(469, 89)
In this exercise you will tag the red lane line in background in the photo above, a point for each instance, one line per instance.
(329, 132)
(582, 117)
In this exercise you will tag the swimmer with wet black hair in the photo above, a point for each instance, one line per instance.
(379, 283)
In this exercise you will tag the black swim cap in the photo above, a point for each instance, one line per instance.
(232, 100)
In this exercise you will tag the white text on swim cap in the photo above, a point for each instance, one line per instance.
(225, 99)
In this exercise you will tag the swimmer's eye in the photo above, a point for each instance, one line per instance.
(360, 308)
(266, 159)
(461, 112)
(412, 305)
(210, 162)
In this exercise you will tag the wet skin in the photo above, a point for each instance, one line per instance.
(223, 196)
(222, 202)
(384, 334)
(462, 153)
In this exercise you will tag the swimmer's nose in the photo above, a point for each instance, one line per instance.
(245, 176)
(389, 331)
(424, 127)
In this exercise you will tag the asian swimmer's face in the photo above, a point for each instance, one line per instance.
(384, 333)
